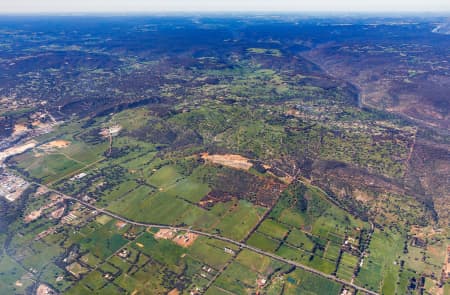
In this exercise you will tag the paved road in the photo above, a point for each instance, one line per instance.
(213, 236)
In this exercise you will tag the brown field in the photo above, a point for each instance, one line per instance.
(55, 144)
(43, 289)
(120, 224)
(166, 234)
(19, 128)
(40, 191)
(229, 160)
(185, 240)
(33, 216)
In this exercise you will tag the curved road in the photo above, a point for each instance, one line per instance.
(217, 237)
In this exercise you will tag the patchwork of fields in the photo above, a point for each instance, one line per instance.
(231, 132)
(80, 251)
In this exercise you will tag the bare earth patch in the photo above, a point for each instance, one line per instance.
(55, 144)
(19, 129)
(17, 149)
(120, 224)
(229, 160)
(58, 143)
(166, 234)
(33, 216)
(58, 213)
(43, 289)
(18, 284)
(185, 240)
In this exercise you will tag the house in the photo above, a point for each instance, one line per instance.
(229, 251)
(124, 253)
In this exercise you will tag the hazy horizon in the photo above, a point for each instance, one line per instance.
(231, 6)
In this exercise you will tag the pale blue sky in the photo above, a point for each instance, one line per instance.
(124, 6)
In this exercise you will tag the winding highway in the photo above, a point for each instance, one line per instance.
(213, 236)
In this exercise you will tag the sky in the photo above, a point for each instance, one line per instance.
(130, 6)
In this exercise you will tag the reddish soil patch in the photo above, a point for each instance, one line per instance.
(33, 216)
(56, 144)
(120, 224)
(185, 240)
(19, 128)
(166, 234)
(58, 213)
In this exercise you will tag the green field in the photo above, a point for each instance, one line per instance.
(103, 241)
(236, 278)
(273, 229)
(46, 168)
(164, 177)
(209, 253)
(302, 282)
(164, 251)
(300, 239)
(381, 269)
(238, 223)
(11, 272)
(263, 242)
(189, 189)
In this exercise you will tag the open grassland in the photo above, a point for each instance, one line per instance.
(209, 252)
(239, 221)
(164, 177)
(273, 229)
(381, 269)
(237, 279)
(263, 242)
(13, 277)
(300, 239)
(258, 263)
(189, 189)
(302, 282)
(46, 168)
